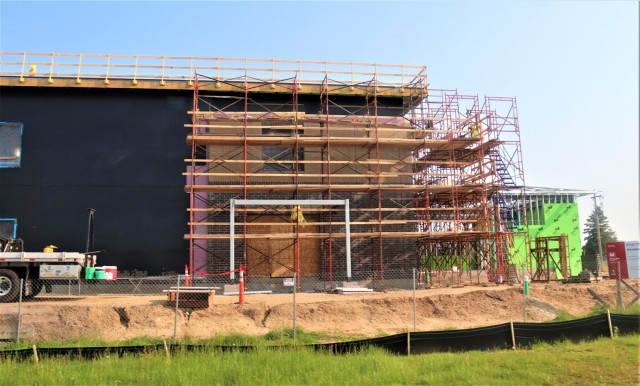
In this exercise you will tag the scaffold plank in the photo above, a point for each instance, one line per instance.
(238, 140)
(337, 235)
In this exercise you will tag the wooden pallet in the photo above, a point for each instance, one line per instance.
(191, 297)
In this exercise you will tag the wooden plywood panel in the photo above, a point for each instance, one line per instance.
(280, 253)
(310, 251)
(282, 261)
(258, 252)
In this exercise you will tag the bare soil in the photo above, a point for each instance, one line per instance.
(120, 317)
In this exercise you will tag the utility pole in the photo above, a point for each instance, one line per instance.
(90, 231)
(595, 203)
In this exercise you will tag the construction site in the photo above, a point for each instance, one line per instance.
(287, 176)
(368, 172)
(328, 171)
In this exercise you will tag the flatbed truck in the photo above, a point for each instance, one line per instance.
(36, 269)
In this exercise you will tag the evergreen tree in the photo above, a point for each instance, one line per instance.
(591, 228)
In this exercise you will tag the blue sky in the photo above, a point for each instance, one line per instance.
(572, 65)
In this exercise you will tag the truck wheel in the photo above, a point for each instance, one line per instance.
(32, 288)
(9, 286)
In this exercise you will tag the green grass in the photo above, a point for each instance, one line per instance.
(84, 342)
(563, 315)
(282, 336)
(634, 309)
(605, 361)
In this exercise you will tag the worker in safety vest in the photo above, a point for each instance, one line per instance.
(296, 214)
(473, 129)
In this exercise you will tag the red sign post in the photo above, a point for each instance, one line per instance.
(617, 260)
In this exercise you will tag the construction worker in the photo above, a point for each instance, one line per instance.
(473, 129)
(296, 214)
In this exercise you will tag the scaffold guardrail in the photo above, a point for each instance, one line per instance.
(23, 65)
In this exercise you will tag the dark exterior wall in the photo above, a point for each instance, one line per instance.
(118, 151)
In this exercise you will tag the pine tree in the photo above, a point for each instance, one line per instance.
(607, 234)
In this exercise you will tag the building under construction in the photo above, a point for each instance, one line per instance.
(332, 171)
(346, 174)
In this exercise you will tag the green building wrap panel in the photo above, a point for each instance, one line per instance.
(558, 219)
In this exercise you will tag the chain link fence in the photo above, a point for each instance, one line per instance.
(180, 295)
(10, 322)
(179, 298)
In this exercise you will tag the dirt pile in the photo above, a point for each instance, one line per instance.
(123, 317)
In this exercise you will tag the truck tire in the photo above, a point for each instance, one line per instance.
(9, 286)
(34, 288)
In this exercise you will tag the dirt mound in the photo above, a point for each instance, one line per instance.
(123, 317)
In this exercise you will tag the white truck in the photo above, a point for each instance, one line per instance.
(36, 269)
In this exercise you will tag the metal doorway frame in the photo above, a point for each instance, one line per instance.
(239, 202)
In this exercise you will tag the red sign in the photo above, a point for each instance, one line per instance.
(616, 254)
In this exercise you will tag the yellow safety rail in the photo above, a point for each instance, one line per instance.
(162, 69)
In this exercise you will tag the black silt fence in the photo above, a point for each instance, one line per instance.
(479, 339)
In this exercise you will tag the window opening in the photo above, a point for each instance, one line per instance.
(281, 153)
(10, 144)
(8, 227)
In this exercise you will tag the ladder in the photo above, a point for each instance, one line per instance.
(506, 212)
(502, 170)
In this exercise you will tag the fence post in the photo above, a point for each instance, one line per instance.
(610, 326)
(295, 284)
(166, 349)
(513, 335)
(175, 317)
(524, 307)
(414, 300)
(525, 292)
(19, 311)
(619, 288)
(241, 286)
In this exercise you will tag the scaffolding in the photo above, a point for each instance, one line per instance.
(433, 178)
(473, 188)
(549, 253)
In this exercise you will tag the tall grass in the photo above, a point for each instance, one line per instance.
(282, 336)
(563, 315)
(605, 361)
(634, 309)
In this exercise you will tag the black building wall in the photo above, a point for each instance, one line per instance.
(122, 153)
(118, 151)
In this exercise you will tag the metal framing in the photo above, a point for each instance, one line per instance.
(38, 69)
(484, 183)
(434, 178)
(543, 250)
(435, 181)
